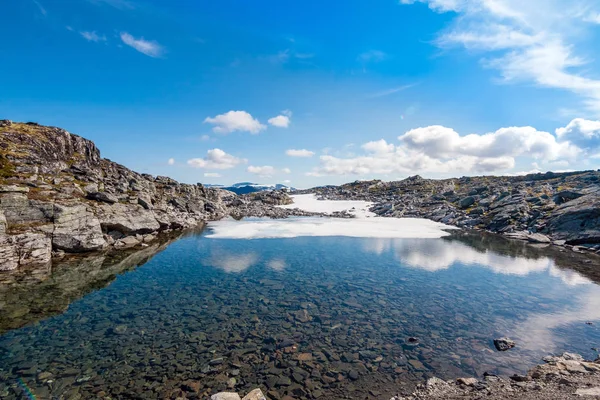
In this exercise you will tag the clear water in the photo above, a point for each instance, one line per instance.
(314, 317)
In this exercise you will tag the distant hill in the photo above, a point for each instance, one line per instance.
(249, 187)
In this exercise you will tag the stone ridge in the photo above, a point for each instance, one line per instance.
(57, 194)
(559, 208)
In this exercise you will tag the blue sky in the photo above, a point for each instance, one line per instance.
(311, 92)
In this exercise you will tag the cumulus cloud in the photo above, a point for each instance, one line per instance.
(441, 142)
(266, 171)
(212, 175)
(235, 121)
(378, 146)
(281, 121)
(171, 161)
(438, 149)
(216, 159)
(147, 47)
(92, 36)
(299, 153)
(584, 133)
(286, 171)
(538, 41)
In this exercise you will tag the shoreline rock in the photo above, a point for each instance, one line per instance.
(560, 209)
(58, 195)
(560, 377)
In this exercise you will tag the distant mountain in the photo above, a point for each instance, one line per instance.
(250, 187)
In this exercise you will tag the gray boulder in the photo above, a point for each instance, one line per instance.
(577, 221)
(466, 202)
(103, 197)
(504, 344)
(24, 249)
(225, 396)
(127, 219)
(76, 230)
(126, 242)
(256, 394)
(9, 259)
(538, 238)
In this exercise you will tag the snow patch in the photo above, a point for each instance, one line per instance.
(366, 224)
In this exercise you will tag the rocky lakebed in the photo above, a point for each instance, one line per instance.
(119, 285)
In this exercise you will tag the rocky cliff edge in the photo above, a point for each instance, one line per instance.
(57, 194)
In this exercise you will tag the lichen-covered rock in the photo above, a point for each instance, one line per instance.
(2, 223)
(76, 230)
(127, 219)
(24, 249)
(9, 259)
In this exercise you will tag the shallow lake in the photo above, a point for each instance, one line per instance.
(309, 317)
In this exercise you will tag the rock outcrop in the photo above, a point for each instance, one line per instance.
(539, 208)
(561, 377)
(57, 194)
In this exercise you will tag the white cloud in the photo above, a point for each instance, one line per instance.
(235, 121)
(378, 146)
(265, 171)
(212, 175)
(441, 150)
(284, 56)
(388, 92)
(280, 121)
(40, 7)
(593, 18)
(92, 36)
(286, 171)
(119, 4)
(216, 159)
(372, 56)
(441, 142)
(147, 47)
(538, 41)
(171, 161)
(582, 132)
(287, 181)
(437, 5)
(299, 153)
(205, 138)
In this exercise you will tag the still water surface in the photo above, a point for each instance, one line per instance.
(309, 317)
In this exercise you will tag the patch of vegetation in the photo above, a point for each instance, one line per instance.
(29, 128)
(15, 229)
(7, 169)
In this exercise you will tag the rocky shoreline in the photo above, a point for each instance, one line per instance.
(57, 196)
(560, 377)
(552, 208)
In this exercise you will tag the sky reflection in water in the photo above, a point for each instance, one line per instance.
(203, 298)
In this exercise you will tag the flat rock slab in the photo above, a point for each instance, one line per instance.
(225, 396)
(594, 391)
